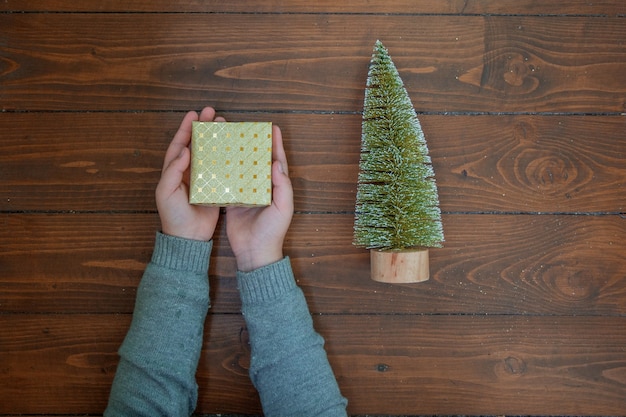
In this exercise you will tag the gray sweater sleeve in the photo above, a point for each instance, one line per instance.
(289, 366)
(159, 356)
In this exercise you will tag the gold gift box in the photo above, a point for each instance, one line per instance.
(231, 164)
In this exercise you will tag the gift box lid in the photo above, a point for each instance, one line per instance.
(231, 164)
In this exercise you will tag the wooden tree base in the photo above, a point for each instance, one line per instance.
(399, 267)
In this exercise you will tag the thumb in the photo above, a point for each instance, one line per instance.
(172, 175)
(283, 192)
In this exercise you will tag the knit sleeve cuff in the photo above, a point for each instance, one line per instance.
(181, 254)
(267, 283)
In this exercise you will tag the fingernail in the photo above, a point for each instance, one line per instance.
(280, 167)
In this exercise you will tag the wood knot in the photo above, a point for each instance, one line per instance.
(382, 367)
(518, 72)
(514, 366)
(244, 338)
(572, 282)
(239, 361)
(545, 172)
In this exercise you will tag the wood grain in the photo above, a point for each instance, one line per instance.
(309, 62)
(464, 7)
(482, 365)
(491, 264)
(516, 163)
(523, 108)
(479, 365)
(68, 361)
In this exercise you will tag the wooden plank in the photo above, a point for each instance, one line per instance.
(521, 163)
(90, 262)
(309, 62)
(464, 7)
(390, 364)
(67, 161)
(479, 365)
(58, 364)
(524, 313)
(491, 264)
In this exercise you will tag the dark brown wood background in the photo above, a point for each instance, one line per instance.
(523, 104)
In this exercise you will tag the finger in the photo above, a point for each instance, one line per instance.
(172, 176)
(278, 150)
(220, 119)
(207, 114)
(181, 138)
(282, 193)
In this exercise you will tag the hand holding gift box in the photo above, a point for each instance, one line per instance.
(231, 164)
(255, 233)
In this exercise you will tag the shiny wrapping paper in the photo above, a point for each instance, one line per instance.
(231, 164)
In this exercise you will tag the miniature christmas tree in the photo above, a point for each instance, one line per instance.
(397, 207)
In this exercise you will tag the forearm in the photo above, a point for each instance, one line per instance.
(159, 356)
(289, 366)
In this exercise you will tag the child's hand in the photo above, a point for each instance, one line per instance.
(256, 234)
(178, 217)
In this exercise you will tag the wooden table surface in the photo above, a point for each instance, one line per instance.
(523, 106)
